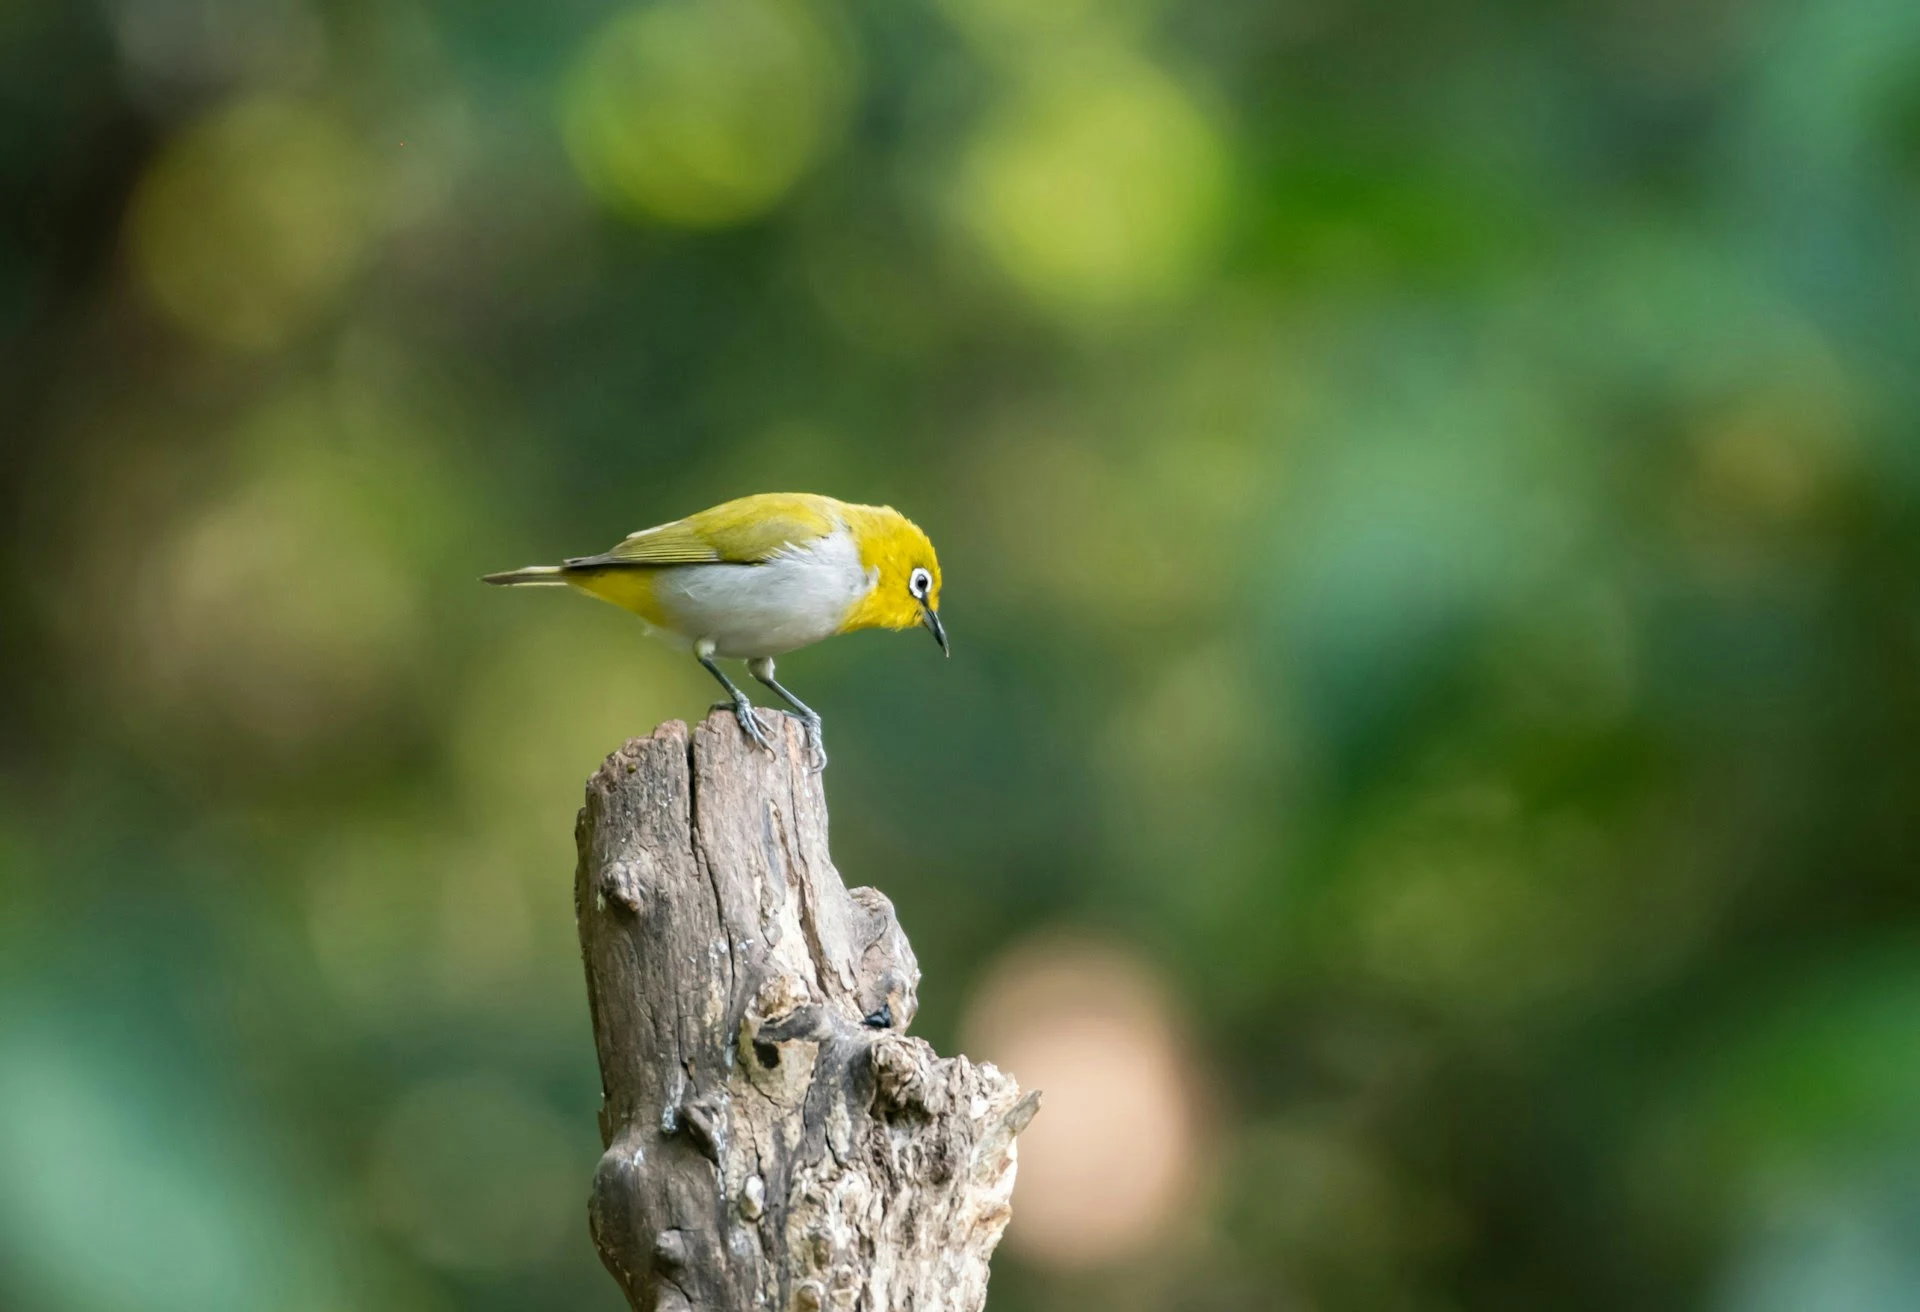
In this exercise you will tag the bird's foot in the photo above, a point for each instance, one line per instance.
(749, 722)
(816, 744)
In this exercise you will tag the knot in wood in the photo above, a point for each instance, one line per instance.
(906, 1077)
(780, 996)
(670, 1250)
(753, 1198)
(622, 883)
(704, 1121)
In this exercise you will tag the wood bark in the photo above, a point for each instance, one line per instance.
(774, 1139)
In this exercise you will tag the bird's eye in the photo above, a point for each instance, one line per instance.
(919, 582)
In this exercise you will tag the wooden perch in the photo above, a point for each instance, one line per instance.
(773, 1137)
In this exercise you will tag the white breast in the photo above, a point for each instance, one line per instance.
(797, 598)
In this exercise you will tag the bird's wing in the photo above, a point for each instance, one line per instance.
(743, 532)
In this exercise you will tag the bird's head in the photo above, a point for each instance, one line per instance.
(898, 558)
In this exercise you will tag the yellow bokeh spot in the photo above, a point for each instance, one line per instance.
(250, 222)
(704, 113)
(1099, 187)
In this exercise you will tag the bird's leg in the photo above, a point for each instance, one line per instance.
(761, 668)
(742, 708)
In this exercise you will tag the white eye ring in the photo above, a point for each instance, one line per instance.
(919, 582)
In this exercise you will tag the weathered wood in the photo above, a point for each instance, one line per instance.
(773, 1137)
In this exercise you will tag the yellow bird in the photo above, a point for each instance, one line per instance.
(758, 577)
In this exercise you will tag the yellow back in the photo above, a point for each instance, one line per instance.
(744, 531)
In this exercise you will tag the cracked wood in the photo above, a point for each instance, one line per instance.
(773, 1137)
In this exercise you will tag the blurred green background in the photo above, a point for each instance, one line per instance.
(1427, 776)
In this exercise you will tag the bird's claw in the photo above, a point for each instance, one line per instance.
(816, 744)
(749, 723)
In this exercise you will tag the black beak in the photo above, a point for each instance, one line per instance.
(930, 618)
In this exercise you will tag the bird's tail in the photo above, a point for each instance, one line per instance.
(538, 576)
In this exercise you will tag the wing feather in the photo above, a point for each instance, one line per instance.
(748, 531)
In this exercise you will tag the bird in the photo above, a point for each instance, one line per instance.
(758, 577)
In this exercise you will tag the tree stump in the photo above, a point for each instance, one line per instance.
(773, 1137)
